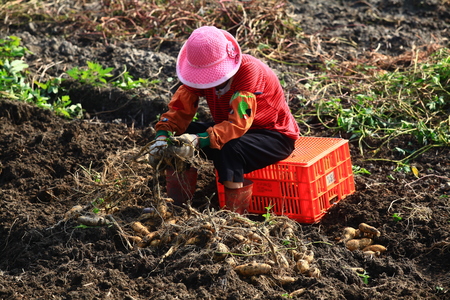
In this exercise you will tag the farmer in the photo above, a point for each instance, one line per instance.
(253, 126)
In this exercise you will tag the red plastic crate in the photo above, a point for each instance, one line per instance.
(304, 186)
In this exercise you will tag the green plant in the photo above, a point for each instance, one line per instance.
(360, 118)
(286, 295)
(440, 289)
(11, 47)
(96, 203)
(94, 75)
(286, 242)
(391, 177)
(267, 216)
(50, 87)
(410, 103)
(359, 170)
(63, 106)
(397, 217)
(92, 174)
(403, 168)
(82, 226)
(364, 276)
(14, 83)
(126, 82)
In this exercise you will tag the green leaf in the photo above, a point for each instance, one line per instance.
(18, 66)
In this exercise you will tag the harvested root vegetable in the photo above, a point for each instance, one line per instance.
(348, 234)
(358, 244)
(171, 221)
(139, 228)
(150, 221)
(134, 239)
(193, 240)
(208, 226)
(295, 254)
(221, 252)
(289, 233)
(155, 243)
(375, 248)
(74, 212)
(253, 269)
(146, 240)
(363, 227)
(270, 262)
(240, 238)
(152, 235)
(255, 237)
(298, 292)
(302, 266)
(166, 238)
(282, 261)
(371, 253)
(93, 220)
(231, 261)
(163, 210)
(314, 272)
(308, 256)
(143, 244)
(358, 270)
(352, 244)
(284, 280)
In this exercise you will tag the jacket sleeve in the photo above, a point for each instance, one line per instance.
(182, 108)
(243, 109)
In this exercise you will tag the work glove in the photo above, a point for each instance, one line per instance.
(157, 149)
(184, 146)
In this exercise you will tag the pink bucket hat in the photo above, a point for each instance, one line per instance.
(209, 57)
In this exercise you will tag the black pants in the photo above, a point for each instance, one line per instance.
(256, 149)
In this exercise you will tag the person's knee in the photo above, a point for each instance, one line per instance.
(231, 147)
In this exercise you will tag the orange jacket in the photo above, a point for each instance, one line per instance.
(255, 100)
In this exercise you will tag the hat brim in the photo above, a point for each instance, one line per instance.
(205, 78)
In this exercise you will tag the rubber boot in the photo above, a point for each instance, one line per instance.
(238, 200)
(181, 185)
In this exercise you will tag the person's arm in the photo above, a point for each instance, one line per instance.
(243, 110)
(182, 108)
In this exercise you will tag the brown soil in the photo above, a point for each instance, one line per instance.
(49, 165)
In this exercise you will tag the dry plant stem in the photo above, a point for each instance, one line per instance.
(423, 177)
(392, 137)
(257, 254)
(113, 110)
(392, 203)
(272, 247)
(319, 242)
(193, 211)
(122, 233)
(169, 252)
(144, 150)
(156, 182)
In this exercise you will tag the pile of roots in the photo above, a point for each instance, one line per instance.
(268, 251)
